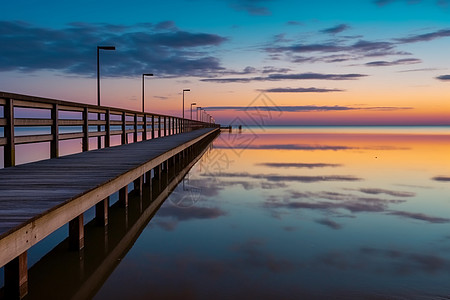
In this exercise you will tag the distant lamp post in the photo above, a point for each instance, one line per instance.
(199, 108)
(185, 90)
(193, 103)
(98, 68)
(143, 88)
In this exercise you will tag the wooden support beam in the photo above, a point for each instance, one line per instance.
(54, 144)
(86, 129)
(123, 196)
(138, 184)
(101, 212)
(76, 233)
(16, 277)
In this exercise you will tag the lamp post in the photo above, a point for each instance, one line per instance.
(98, 69)
(185, 90)
(143, 88)
(198, 108)
(193, 103)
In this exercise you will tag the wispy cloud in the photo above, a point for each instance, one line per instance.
(425, 37)
(375, 191)
(442, 178)
(195, 212)
(443, 77)
(139, 47)
(301, 90)
(299, 165)
(280, 76)
(305, 108)
(283, 178)
(253, 7)
(329, 223)
(420, 216)
(383, 63)
(336, 29)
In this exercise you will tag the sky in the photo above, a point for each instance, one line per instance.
(251, 62)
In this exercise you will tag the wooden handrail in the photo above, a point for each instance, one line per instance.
(131, 122)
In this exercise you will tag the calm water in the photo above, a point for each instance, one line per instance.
(292, 212)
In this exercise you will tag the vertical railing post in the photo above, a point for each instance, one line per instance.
(159, 126)
(86, 129)
(135, 134)
(99, 129)
(54, 145)
(16, 277)
(107, 128)
(9, 150)
(165, 126)
(153, 126)
(144, 133)
(124, 129)
(169, 125)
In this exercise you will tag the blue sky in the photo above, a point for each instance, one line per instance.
(393, 50)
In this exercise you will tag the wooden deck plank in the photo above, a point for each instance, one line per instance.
(29, 192)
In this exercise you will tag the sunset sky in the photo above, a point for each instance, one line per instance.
(350, 62)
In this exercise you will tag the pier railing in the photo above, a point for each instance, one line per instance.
(27, 119)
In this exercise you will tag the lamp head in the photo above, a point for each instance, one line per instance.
(106, 47)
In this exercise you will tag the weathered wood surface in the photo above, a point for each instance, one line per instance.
(37, 198)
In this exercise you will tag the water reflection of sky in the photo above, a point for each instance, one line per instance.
(350, 215)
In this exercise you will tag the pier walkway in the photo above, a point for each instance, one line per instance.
(40, 197)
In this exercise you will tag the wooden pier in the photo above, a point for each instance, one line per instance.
(38, 198)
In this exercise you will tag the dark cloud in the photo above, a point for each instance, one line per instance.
(382, 63)
(443, 77)
(279, 76)
(139, 48)
(420, 216)
(361, 47)
(387, 192)
(298, 165)
(336, 29)
(253, 7)
(441, 178)
(269, 69)
(301, 90)
(329, 223)
(425, 37)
